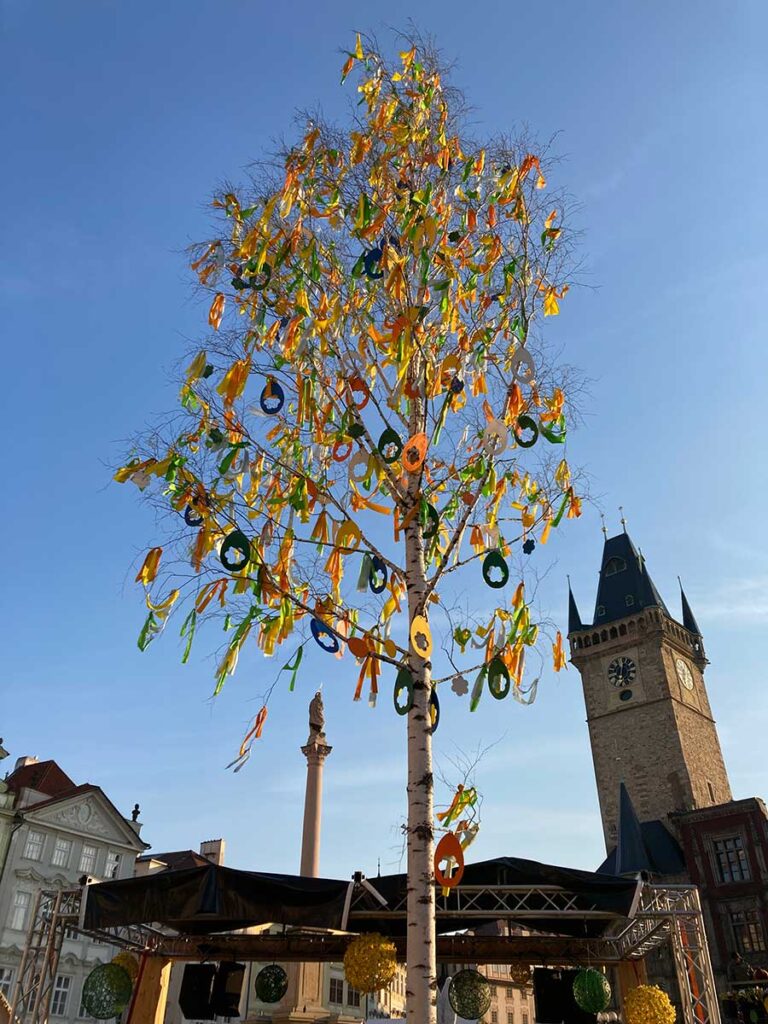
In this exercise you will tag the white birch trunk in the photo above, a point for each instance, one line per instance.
(421, 979)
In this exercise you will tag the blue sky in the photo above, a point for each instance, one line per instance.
(117, 122)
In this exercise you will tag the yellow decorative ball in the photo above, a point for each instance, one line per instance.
(370, 962)
(648, 1004)
(129, 963)
(520, 974)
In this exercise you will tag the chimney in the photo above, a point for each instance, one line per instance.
(213, 850)
(22, 762)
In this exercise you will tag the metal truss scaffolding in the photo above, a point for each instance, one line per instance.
(662, 914)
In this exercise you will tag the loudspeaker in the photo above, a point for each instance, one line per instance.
(227, 988)
(553, 992)
(195, 992)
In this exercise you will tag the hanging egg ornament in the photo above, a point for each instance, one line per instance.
(271, 984)
(106, 991)
(469, 994)
(648, 1004)
(370, 962)
(591, 990)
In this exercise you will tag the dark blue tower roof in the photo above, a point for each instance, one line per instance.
(642, 846)
(625, 585)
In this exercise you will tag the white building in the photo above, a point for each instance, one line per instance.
(52, 832)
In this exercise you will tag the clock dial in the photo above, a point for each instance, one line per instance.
(621, 671)
(684, 674)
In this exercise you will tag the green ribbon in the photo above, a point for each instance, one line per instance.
(292, 666)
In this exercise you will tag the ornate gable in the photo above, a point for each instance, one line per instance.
(88, 815)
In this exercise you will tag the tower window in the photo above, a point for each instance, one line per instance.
(731, 859)
(614, 565)
(600, 610)
(629, 601)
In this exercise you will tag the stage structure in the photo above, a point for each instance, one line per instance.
(573, 918)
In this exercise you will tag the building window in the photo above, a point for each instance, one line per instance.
(88, 859)
(629, 600)
(731, 860)
(747, 931)
(494, 1017)
(61, 852)
(113, 864)
(353, 996)
(525, 1018)
(510, 1017)
(20, 910)
(33, 849)
(600, 610)
(336, 994)
(6, 982)
(711, 789)
(614, 565)
(60, 999)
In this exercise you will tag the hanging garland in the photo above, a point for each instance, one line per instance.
(370, 962)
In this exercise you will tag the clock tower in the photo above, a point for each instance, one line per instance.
(642, 671)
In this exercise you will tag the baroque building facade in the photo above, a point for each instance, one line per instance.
(665, 798)
(52, 832)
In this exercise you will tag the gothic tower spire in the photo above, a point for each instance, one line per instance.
(650, 722)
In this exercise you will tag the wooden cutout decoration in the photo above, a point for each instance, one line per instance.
(415, 452)
(341, 450)
(272, 397)
(324, 637)
(378, 576)
(403, 682)
(434, 711)
(449, 849)
(526, 423)
(495, 560)
(390, 439)
(523, 367)
(235, 541)
(499, 681)
(357, 386)
(192, 518)
(421, 636)
(496, 437)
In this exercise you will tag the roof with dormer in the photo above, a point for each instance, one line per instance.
(625, 588)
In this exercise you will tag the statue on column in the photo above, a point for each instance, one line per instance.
(316, 719)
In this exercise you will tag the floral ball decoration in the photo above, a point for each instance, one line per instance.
(129, 963)
(271, 984)
(648, 1004)
(370, 962)
(520, 974)
(469, 994)
(107, 991)
(591, 991)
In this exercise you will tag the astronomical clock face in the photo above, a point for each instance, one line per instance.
(684, 674)
(621, 671)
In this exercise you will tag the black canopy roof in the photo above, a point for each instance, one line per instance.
(210, 899)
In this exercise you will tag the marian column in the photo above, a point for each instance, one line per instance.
(304, 1000)
(315, 750)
